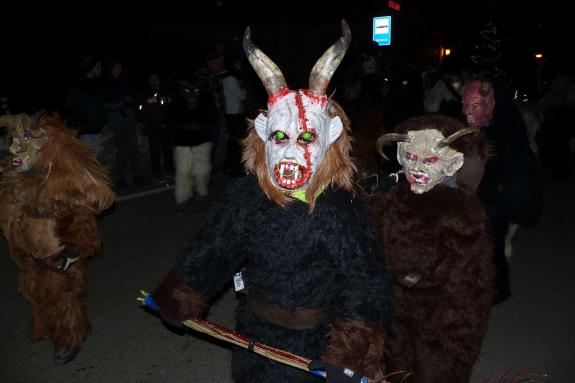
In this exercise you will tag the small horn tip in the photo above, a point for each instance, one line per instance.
(247, 41)
(345, 28)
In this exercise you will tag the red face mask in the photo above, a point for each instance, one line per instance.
(478, 109)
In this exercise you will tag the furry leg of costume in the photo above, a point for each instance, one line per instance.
(58, 311)
(201, 167)
(183, 164)
(193, 169)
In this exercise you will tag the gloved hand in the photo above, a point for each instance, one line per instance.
(149, 302)
(171, 322)
(336, 374)
(66, 257)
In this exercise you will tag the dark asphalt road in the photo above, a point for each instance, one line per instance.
(535, 329)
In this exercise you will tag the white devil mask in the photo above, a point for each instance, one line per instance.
(297, 133)
(298, 129)
(426, 157)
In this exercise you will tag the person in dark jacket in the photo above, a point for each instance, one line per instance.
(84, 103)
(156, 117)
(510, 188)
(120, 102)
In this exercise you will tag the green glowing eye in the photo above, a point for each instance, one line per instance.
(306, 138)
(278, 136)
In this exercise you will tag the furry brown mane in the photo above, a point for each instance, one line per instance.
(66, 174)
(336, 168)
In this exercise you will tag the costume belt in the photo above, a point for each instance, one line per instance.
(297, 319)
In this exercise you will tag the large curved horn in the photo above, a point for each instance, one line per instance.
(266, 69)
(327, 64)
(389, 137)
(460, 133)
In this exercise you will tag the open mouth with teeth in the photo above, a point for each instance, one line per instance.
(418, 178)
(16, 161)
(290, 175)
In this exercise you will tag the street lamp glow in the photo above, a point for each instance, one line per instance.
(538, 56)
(447, 51)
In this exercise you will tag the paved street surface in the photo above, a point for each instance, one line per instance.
(143, 235)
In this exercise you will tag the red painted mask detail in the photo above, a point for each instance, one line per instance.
(417, 178)
(301, 111)
(410, 156)
(293, 175)
(430, 160)
(276, 96)
(314, 97)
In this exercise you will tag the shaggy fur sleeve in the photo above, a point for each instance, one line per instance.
(211, 259)
(358, 346)
(363, 306)
(77, 229)
(365, 292)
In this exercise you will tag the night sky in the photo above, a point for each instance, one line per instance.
(42, 48)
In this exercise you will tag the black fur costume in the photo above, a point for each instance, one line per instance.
(326, 260)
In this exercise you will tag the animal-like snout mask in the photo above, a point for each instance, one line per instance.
(426, 157)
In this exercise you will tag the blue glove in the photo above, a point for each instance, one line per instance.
(169, 321)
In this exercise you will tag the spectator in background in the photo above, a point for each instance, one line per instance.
(119, 102)
(195, 113)
(209, 75)
(510, 187)
(84, 103)
(234, 94)
(155, 115)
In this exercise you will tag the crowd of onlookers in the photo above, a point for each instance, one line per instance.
(174, 114)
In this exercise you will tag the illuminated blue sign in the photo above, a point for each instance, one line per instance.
(382, 30)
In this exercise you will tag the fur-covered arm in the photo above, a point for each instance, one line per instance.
(211, 259)
(358, 346)
(78, 231)
(363, 306)
(176, 299)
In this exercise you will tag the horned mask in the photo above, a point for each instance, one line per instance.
(425, 156)
(26, 140)
(298, 128)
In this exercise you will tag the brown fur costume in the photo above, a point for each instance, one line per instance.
(45, 211)
(440, 236)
